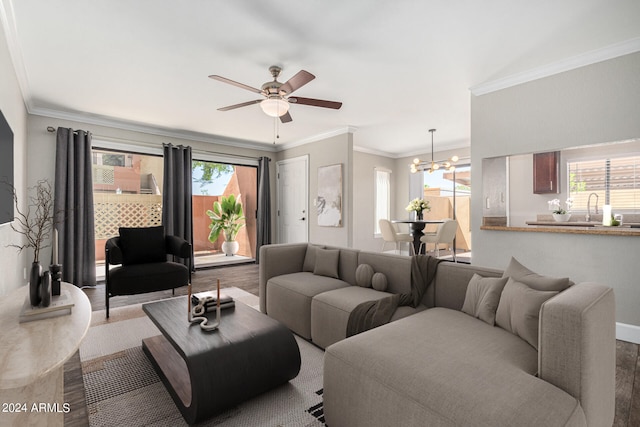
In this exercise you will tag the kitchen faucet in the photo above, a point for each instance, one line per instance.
(587, 217)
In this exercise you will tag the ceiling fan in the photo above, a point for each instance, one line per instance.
(278, 95)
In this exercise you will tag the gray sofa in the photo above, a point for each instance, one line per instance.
(436, 365)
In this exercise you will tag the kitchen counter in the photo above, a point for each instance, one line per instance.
(576, 228)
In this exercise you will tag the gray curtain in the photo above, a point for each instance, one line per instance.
(176, 195)
(73, 207)
(264, 206)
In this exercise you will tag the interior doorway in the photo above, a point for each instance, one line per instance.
(293, 200)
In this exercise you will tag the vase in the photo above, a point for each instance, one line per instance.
(230, 248)
(45, 289)
(561, 217)
(34, 284)
(419, 216)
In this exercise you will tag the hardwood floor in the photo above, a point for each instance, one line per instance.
(245, 276)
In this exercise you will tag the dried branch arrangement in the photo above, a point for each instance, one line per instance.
(36, 222)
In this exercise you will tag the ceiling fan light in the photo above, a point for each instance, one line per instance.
(274, 107)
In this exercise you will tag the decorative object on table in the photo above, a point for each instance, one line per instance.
(55, 268)
(199, 311)
(45, 289)
(617, 220)
(60, 305)
(418, 206)
(329, 201)
(209, 301)
(421, 165)
(35, 225)
(227, 218)
(56, 278)
(606, 215)
(560, 214)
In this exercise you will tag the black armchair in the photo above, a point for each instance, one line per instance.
(142, 253)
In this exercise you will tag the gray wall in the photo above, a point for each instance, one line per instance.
(364, 165)
(593, 104)
(331, 151)
(13, 108)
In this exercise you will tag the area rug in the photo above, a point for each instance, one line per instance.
(122, 388)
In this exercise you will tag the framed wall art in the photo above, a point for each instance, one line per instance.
(329, 200)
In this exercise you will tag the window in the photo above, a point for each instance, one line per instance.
(615, 180)
(382, 196)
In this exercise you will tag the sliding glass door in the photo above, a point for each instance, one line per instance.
(211, 182)
(449, 195)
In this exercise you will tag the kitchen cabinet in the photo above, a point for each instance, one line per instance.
(546, 172)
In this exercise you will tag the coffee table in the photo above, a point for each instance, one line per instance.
(208, 371)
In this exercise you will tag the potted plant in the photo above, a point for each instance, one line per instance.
(560, 214)
(227, 218)
(35, 224)
(418, 205)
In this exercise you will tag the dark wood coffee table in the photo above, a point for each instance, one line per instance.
(206, 372)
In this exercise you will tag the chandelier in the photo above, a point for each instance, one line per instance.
(422, 165)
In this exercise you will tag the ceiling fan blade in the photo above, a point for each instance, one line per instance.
(234, 83)
(244, 104)
(286, 117)
(296, 82)
(315, 102)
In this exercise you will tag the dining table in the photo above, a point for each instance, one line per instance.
(416, 230)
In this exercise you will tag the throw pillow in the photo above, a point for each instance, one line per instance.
(310, 258)
(364, 274)
(142, 245)
(519, 310)
(483, 296)
(327, 262)
(536, 281)
(379, 282)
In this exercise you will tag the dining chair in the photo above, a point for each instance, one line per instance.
(391, 235)
(445, 234)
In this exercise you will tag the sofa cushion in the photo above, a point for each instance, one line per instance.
(141, 278)
(397, 268)
(142, 245)
(379, 282)
(364, 274)
(327, 263)
(330, 312)
(519, 310)
(288, 298)
(449, 288)
(310, 258)
(483, 296)
(534, 280)
(439, 367)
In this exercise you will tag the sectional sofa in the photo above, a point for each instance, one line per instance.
(484, 347)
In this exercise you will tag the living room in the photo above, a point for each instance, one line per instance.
(587, 94)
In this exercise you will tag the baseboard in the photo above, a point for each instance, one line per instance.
(629, 333)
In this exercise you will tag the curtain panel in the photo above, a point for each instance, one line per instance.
(264, 206)
(177, 204)
(73, 207)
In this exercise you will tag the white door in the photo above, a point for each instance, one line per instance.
(293, 200)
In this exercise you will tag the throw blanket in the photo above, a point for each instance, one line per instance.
(371, 314)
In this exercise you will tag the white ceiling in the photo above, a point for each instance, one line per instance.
(399, 67)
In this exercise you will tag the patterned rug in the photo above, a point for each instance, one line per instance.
(122, 388)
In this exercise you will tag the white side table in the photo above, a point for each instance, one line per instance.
(32, 357)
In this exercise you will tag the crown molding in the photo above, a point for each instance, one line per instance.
(153, 130)
(568, 64)
(374, 152)
(318, 137)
